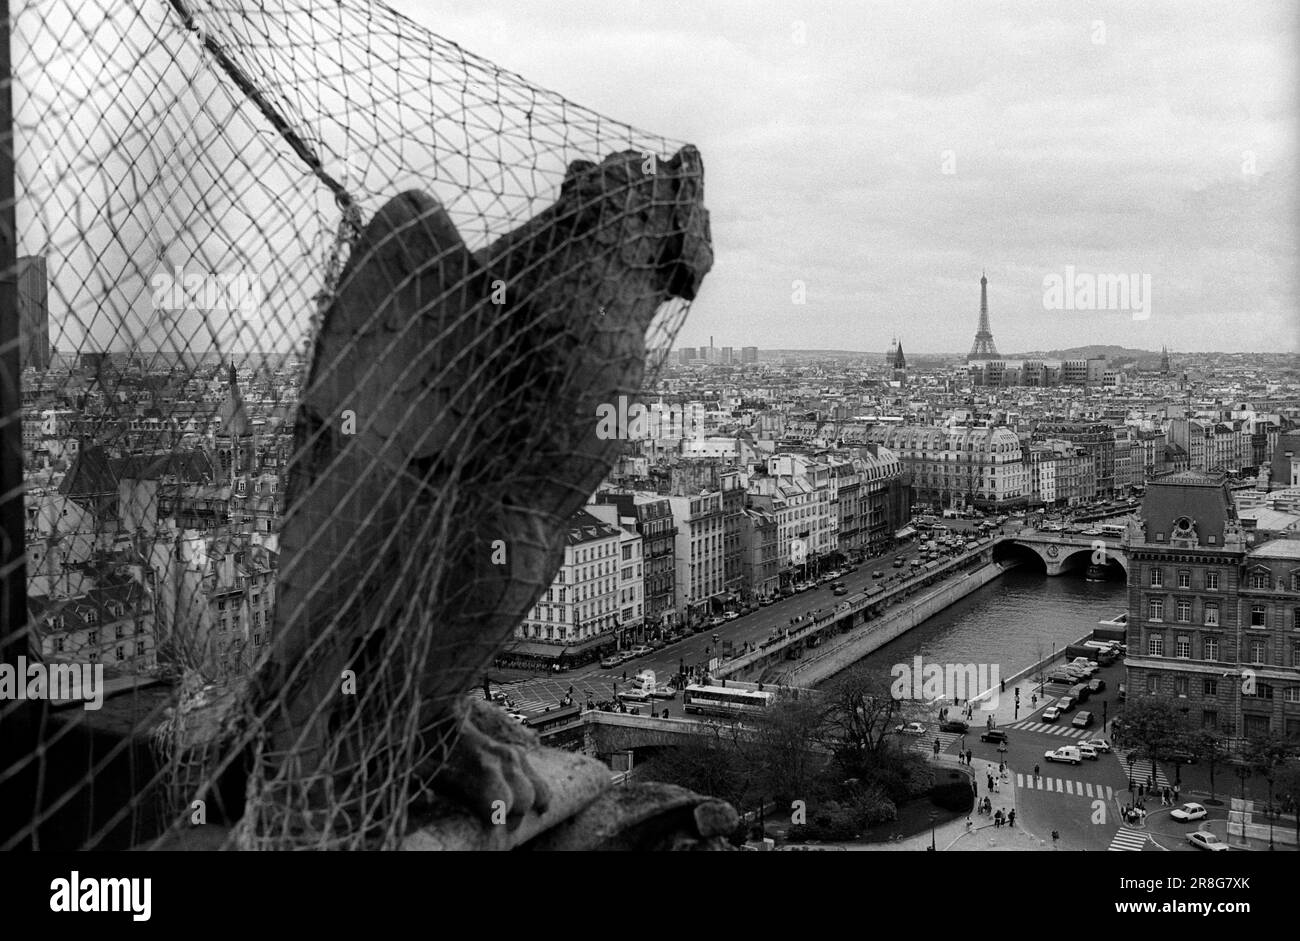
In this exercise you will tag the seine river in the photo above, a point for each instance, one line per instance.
(1013, 622)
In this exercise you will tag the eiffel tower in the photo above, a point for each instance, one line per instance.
(983, 347)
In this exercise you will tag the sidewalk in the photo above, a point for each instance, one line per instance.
(982, 834)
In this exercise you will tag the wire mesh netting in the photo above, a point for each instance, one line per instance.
(330, 304)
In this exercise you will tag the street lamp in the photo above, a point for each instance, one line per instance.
(933, 815)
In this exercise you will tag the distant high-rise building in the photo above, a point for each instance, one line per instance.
(983, 347)
(900, 364)
(33, 312)
(890, 353)
(727, 357)
(1164, 361)
(749, 354)
(685, 355)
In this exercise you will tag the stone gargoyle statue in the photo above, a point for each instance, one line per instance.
(445, 434)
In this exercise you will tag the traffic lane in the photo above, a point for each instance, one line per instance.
(1075, 818)
(1172, 834)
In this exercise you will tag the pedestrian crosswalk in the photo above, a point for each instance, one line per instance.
(1127, 840)
(925, 743)
(1048, 728)
(1142, 772)
(1065, 786)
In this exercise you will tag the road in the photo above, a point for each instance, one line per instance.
(536, 694)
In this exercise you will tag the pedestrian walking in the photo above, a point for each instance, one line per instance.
(1004, 686)
(1034, 700)
(968, 754)
(990, 782)
(1035, 774)
(1011, 817)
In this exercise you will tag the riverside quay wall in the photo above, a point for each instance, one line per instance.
(832, 657)
(862, 623)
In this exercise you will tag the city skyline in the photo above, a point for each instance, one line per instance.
(1117, 140)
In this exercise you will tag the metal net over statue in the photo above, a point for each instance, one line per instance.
(332, 306)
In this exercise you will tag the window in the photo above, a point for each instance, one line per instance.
(1181, 686)
(139, 648)
(1209, 687)
(92, 637)
(1157, 578)
(1210, 647)
(119, 632)
(1185, 611)
(1258, 579)
(1153, 684)
(1258, 690)
(121, 651)
(1291, 694)
(1257, 615)
(1156, 645)
(58, 644)
(1211, 615)
(1212, 581)
(1258, 651)
(1157, 611)
(1184, 579)
(1183, 647)
(1211, 539)
(1295, 655)
(1209, 719)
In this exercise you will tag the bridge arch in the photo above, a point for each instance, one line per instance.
(1115, 565)
(1010, 551)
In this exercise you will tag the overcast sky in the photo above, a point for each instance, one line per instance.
(1153, 138)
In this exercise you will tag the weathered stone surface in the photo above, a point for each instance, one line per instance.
(644, 817)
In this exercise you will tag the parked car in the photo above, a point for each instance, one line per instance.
(611, 661)
(1100, 744)
(954, 725)
(1060, 676)
(993, 735)
(1066, 753)
(1189, 812)
(518, 717)
(1087, 751)
(841, 590)
(1096, 686)
(898, 563)
(640, 650)
(633, 695)
(1050, 714)
(1181, 756)
(877, 574)
(911, 728)
(731, 615)
(1082, 720)
(1206, 841)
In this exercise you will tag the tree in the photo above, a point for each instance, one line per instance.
(1210, 744)
(1288, 791)
(860, 714)
(1158, 726)
(781, 754)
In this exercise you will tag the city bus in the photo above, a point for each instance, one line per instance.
(724, 700)
(546, 722)
(1113, 529)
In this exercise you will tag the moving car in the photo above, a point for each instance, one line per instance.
(954, 725)
(877, 574)
(911, 728)
(1067, 753)
(640, 650)
(633, 695)
(1087, 751)
(518, 717)
(898, 563)
(1206, 841)
(841, 590)
(1065, 703)
(1096, 686)
(1082, 720)
(1189, 812)
(731, 615)
(993, 735)
(1100, 744)
(611, 661)
(1050, 714)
